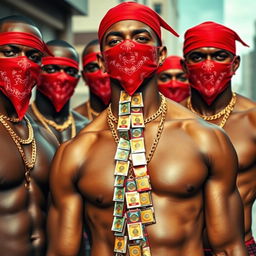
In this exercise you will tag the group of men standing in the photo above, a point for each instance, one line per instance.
(146, 176)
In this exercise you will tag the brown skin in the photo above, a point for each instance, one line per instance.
(187, 194)
(172, 74)
(23, 212)
(45, 105)
(96, 103)
(240, 128)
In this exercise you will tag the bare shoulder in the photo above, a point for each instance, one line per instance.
(245, 109)
(206, 135)
(73, 153)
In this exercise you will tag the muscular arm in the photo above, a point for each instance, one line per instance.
(223, 206)
(65, 216)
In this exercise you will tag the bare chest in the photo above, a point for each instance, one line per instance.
(176, 170)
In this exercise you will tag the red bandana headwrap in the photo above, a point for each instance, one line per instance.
(171, 62)
(59, 86)
(133, 11)
(174, 89)
(23, 38)
(211, 34)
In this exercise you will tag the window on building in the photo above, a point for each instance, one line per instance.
(158, 8)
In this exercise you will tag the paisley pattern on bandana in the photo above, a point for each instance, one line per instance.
(130, 63)
(210, 78)
(17, 78)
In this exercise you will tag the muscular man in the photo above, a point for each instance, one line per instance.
(182, 178)
(26, 150)
(57, 82)
(211, 61)
(172, 79)
(97, 81)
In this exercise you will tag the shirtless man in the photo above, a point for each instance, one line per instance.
(172, 80)
(97, 81)
(211, 61)
(26, 151)
(58, 79)
(190, 162)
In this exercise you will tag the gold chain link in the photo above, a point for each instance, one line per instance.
(147, 120)
(47, 122)
(162, 111)
(30, 129)
(29, 165)
(225, 112)
(217, 115)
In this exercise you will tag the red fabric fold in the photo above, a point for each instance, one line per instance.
(133, 11)
(211, 34)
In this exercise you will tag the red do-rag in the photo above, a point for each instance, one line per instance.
(211, 34)
(171, 62)
(133, 11)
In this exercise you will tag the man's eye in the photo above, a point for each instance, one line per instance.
(91, 68)
(72, 72)
(164, 78)
(114, 42)
(36, 58)
(50, 69)
(9, 53)
(142, 39)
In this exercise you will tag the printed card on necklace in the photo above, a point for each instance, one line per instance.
(121, 168)
(137, 100)
(124, 97)
(120, 244)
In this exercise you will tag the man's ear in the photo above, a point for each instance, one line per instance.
(101, 63)
(162, 55)
(236, 63)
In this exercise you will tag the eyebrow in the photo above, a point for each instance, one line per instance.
(17, 48)
(140, 31)
(134, 32)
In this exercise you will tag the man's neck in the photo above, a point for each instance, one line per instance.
(6, 107)
(201, 107)
(150, 94)
(96, 103)
(47, 109)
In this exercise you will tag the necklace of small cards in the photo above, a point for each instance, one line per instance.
(133, 206)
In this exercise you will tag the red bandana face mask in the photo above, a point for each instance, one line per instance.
(17, 78)
(130, 63)
(174, 90)
(210, 78)
(58, 87)
(99, 84)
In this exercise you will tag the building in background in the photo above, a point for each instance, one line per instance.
(54, 17)
(85, 29)
(248, 70)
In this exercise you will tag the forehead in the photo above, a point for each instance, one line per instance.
(60, 51)
(207, 50)
(93, 48)
(12, 26)
(172, 71)
(127, 26)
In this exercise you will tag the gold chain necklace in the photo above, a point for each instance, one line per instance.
(29, 165)
(46, 122)
(90, 111)
(224, 112)
(161, 111)
(19, 139)
(147, 120)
